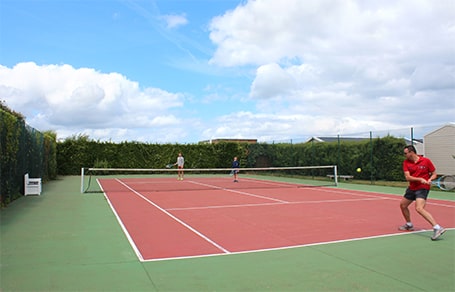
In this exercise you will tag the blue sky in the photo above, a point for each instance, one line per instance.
(189, 70)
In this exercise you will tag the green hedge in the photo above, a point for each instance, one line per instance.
(23, 150)
(380, 158)
(77, 152)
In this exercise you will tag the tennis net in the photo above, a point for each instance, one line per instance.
(143, 180)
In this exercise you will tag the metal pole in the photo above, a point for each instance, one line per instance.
(339, 150)
(371, 157)
(82, 180)
(412, 136)
(335, 175)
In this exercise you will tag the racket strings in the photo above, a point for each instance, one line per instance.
(447, 182)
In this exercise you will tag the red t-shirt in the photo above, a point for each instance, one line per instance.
(421, 168)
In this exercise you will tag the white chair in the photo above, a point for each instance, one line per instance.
(32, 186)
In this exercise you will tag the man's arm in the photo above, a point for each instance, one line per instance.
(433, 176)
(410, 178)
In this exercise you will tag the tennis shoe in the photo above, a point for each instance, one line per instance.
(406, 227)
(437, 233)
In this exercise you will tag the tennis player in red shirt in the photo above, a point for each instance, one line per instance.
(419, 171)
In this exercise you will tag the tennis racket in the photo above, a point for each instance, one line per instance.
(234, 171)
(445, 182)
(170, 165)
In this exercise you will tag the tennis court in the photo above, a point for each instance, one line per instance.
(202, 216)
(165, 235)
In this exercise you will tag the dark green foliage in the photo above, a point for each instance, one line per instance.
(379, 158)
(23, 150)
(77, 152)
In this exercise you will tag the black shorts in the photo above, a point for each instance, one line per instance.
(412, 195)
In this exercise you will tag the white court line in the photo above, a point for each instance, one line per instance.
(295, 246)
(176, 219)
(128, 236)
(275, 183)
(384, 196)
(273, 204)
(277, 201)
(238, 192)
(368, 196)
(323, 189)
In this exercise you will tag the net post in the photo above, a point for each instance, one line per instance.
(82, 180)
(335, 175)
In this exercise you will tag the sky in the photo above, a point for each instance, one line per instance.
(183, 71)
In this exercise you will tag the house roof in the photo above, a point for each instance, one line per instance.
(449, 125)
(233, 140)
(335, 139)
(353, 139)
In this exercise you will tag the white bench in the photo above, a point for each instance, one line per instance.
(32, 186)
(344, 177)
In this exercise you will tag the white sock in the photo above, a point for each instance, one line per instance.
(409, 224)
(437, 226)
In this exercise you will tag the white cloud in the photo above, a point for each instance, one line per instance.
(356, 63)
(318, 67)
(433, 77)
(272, 81)
(270, 127)
(267, 31)
(173, 20)
(84, 100)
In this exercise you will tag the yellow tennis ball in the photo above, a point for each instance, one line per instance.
(359, 169)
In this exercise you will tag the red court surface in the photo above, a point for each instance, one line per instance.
(178, 224)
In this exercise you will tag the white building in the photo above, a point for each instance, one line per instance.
(440, 148)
